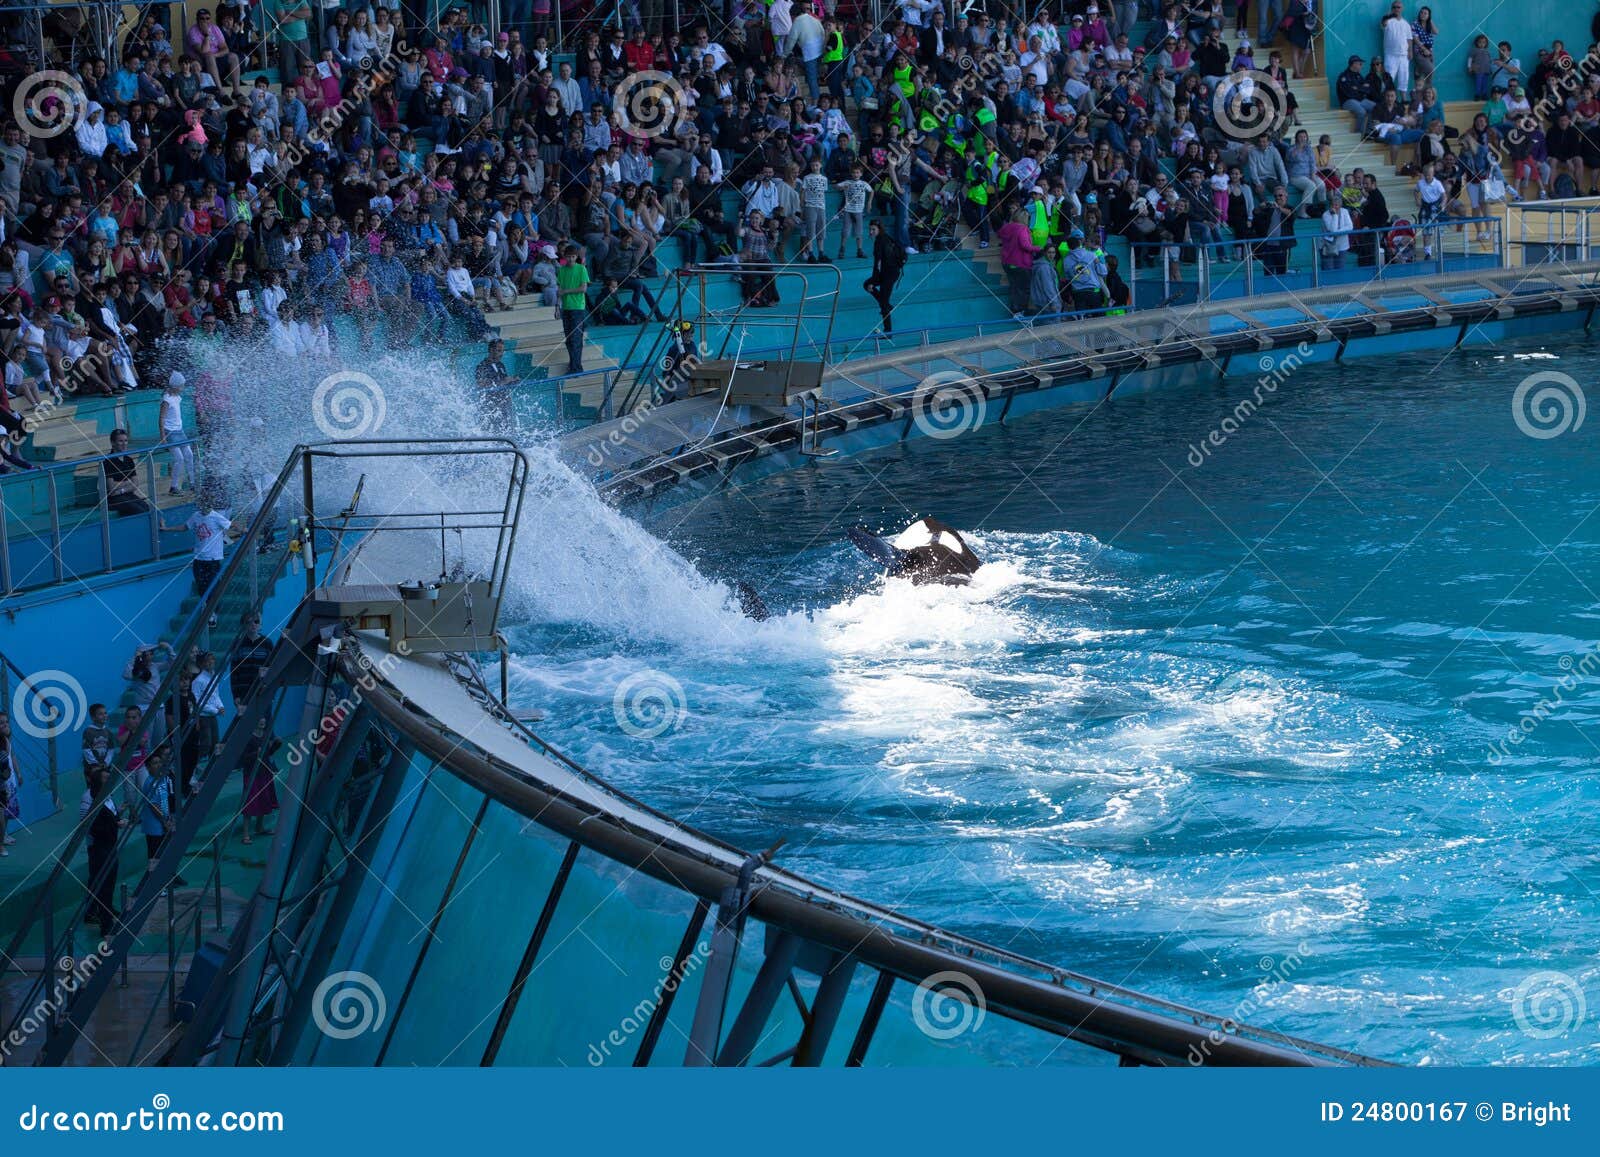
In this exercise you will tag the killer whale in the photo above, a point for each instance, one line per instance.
(927, 551)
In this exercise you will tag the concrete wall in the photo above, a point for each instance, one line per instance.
(1351, 26)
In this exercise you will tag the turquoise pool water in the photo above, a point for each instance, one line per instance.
(1237, 733)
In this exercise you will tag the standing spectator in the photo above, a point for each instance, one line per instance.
(1084, 271)
(105, 827)
(1398, 41)
(10, 786)
(155, 808)
(1424, 34)
(172, 434)
(888, 262)
(208, 701)
(260, 795)
(294, 45)
(572, 281)
(1336, 228)
(98, 738)
(210, 527)
(1017, 255)
(494, 399)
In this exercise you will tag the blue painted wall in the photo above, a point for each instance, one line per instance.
(88, 629)
(1351, 26)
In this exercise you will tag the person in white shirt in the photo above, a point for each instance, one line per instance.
(1336, 226)
(1397, 40)
(916, 13)
(172, 433)
(781, 17)
(314, 339)
(808, 37)
(91, 131)
(282, 331)
(1045, 29)
(272, 295)
(762, 194)
(1035, 64)
(1430, 206)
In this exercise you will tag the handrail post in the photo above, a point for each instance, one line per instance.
(308, 550)
(5, 546)
(55, 531)
(155, 510)
(1316, 264)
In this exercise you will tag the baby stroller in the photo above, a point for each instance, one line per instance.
(1400, 243)
(933, 221)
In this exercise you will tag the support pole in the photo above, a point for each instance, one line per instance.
(508, 1007)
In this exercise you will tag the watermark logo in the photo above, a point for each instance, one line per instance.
(648, 704)
(49, 703)
(48, 104)
(1248, 104)
(1277, 970)
(948, 1004)
(1548, 1004)
(649, 103)
(948, 404)
(348, 404)
(347, 1004)
(1548, 404)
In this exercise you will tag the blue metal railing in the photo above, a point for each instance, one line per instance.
(1183, 273)
(32, 555)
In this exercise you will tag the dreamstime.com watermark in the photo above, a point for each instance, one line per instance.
(648, 704)
(50, 703)
(1548, 404)
(347, 1004)
(1249, 103)
(1548, 1004)
(675, 366)
(1577, 671)
(1278, 971)
(639, 1015)
(947, 1005)
(348, 404)
(74, 974)
(1274, 372)
(333, 719)
(160, 1117)
(948, 404)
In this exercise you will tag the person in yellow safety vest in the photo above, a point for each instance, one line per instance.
(1039, 219)
(833, 55)
(985, 118)
(901, 71)
(975, 208)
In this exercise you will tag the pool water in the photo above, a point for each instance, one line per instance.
(1303, 734)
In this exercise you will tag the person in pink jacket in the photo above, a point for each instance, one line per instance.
(1017, 252)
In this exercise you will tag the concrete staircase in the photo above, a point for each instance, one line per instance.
(1350, 151)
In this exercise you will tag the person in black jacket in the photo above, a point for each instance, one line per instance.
(1355, 94)
(104, 829)
(1374, 215)
(888, 262)
(248, 659)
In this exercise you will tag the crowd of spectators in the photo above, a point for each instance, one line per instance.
(275, 167)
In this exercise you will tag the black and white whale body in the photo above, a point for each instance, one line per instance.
(927, 551)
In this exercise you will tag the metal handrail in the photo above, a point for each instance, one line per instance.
(262, 532)
(712, 442)
(1213, 253)
(48, 711)
(618, 838)
(49, 475)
